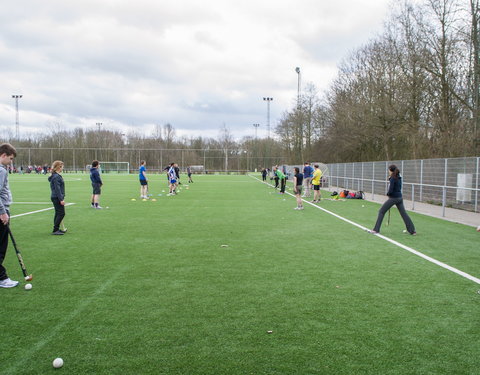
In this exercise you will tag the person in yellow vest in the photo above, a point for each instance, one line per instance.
(317, 176)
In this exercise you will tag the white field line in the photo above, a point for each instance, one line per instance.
(32, 202)
(37, 211)
(413, 251)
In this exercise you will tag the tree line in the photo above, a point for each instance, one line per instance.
(411, 92)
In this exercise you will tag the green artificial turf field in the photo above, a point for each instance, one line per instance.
(147, 288)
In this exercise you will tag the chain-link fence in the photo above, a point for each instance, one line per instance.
(445, 182)
(218, 160)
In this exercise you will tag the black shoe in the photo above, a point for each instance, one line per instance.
(58, 233)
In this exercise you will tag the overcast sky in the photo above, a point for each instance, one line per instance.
(194, 64)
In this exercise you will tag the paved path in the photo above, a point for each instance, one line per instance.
(451, 214)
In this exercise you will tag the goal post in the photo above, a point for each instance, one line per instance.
(113, 167)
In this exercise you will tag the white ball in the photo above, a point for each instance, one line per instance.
(28, 286)
(57, 362)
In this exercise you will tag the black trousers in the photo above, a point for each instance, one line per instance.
(3, 249)
(59, 214)
(283, 181)
(276, 181)
(401, 208)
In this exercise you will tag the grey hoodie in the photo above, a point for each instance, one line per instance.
(5, 194)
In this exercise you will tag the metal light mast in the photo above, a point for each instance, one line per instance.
(268, 100)
(17, 118)
(256, 127)
(297, 69)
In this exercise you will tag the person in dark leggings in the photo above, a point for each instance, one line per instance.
(57, 187)
(394, 198)
(7, 154)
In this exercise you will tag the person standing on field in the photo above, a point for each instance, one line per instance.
(307, 178)
(96, 184)
(281, 179)
(189, 174)
(395, 197)
(143, 180)
(57, 188)
(264, 174)
(7, 154)
(297, 187)
(317, 177)
(172, 180)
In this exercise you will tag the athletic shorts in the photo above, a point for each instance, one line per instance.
(143, 182)
(299, 190)
(173, 181)
(96, 188)
(316, 187)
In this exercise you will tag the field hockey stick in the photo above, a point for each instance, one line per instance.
(19, 256)
(388, 219)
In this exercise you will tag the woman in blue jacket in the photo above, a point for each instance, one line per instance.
(394, 198)
(57, 187)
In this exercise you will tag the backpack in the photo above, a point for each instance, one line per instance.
(344, 193)
(359, 195)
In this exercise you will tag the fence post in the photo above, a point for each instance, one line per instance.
(386, 182)
(421, 180)
(337, 173)
(413, 197)
(362, 178)
(476, 186)
(373, 182)
(358, 180)
(444, 201)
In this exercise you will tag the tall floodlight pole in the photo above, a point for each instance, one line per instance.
(297, 69)
(256, 127)
(268, 100)
(99, 125)
(17, 118)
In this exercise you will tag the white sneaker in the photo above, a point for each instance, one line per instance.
(99, 207)
(7, 283)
